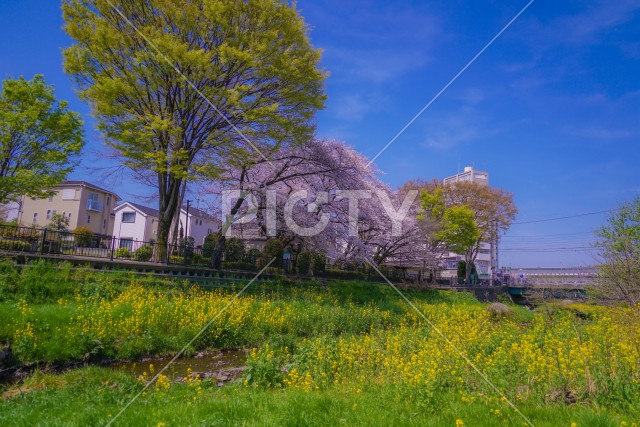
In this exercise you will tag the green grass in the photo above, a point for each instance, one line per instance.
(75, 314)
(92, 396)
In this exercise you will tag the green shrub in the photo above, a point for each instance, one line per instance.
(243, 266)
(211, 243)
(273, 248)
(15, 245)
(346, 275)
(186, 247)
(274, 270)
(234, 250)
(122, 253)
(176, 259)
(318, 264)
(83, 236)
(303, 263)
(143, 253)
(58, 222)
(252, 256)
(199, 260)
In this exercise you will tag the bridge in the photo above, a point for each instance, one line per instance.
(530, 284)
(541, 278)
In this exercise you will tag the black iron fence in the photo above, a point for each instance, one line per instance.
(80, 244)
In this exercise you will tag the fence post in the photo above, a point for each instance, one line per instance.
(44, 239)
(113, 244)
(184, 250)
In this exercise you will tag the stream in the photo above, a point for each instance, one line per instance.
(222, 366)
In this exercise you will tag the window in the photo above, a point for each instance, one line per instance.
(104, 224)
(88, 219)
(93, 202)
(69, 215)
(128, 217)
(48, 214)
(108, 200)
(35, 216)
(68, 194)
(126, 243)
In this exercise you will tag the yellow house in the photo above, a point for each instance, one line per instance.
(85, 205)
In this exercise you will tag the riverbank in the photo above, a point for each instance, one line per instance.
(354, 353)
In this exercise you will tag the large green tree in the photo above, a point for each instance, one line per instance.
(619, 246)
(39, 139)
(182, 87)
(492, 210)
(455, 226)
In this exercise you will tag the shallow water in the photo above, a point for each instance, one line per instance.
(220, 365)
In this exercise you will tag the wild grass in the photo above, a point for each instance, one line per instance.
(354, 353)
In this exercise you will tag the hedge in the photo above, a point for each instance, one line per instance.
(143, 253)
(15, 245)
(122, 253)
(243, 266)
(345, 275)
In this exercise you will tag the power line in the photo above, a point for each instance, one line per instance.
(574, 248)
(561, 217)
(530, 236)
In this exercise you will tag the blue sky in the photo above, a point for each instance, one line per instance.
(551, 110)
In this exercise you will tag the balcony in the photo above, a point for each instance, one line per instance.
(94, 205)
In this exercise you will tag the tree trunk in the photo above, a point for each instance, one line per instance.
(468, 267)
(169, 193)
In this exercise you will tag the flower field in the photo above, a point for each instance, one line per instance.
(370, 359)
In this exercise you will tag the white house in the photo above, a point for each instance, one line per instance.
(136, 223)
(200, 224)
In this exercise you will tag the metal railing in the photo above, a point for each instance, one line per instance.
(94, 205)
(65, 243)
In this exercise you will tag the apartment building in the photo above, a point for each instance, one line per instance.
(469, 174)
(85, 205)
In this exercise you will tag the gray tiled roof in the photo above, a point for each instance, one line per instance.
(144, 209)
(154, 212)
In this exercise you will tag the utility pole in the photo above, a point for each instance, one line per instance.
(186, 223)
(186, 233)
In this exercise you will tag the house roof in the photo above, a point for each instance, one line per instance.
(198, 212)
(87, 184)
(144, 209)
(154, 212)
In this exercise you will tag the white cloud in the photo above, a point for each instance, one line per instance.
(608, 134)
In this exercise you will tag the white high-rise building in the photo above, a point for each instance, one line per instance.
(487, 259)
(469, 174)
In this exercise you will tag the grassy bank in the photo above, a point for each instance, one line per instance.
(93, 396)
(354, 354)
(55, 315)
